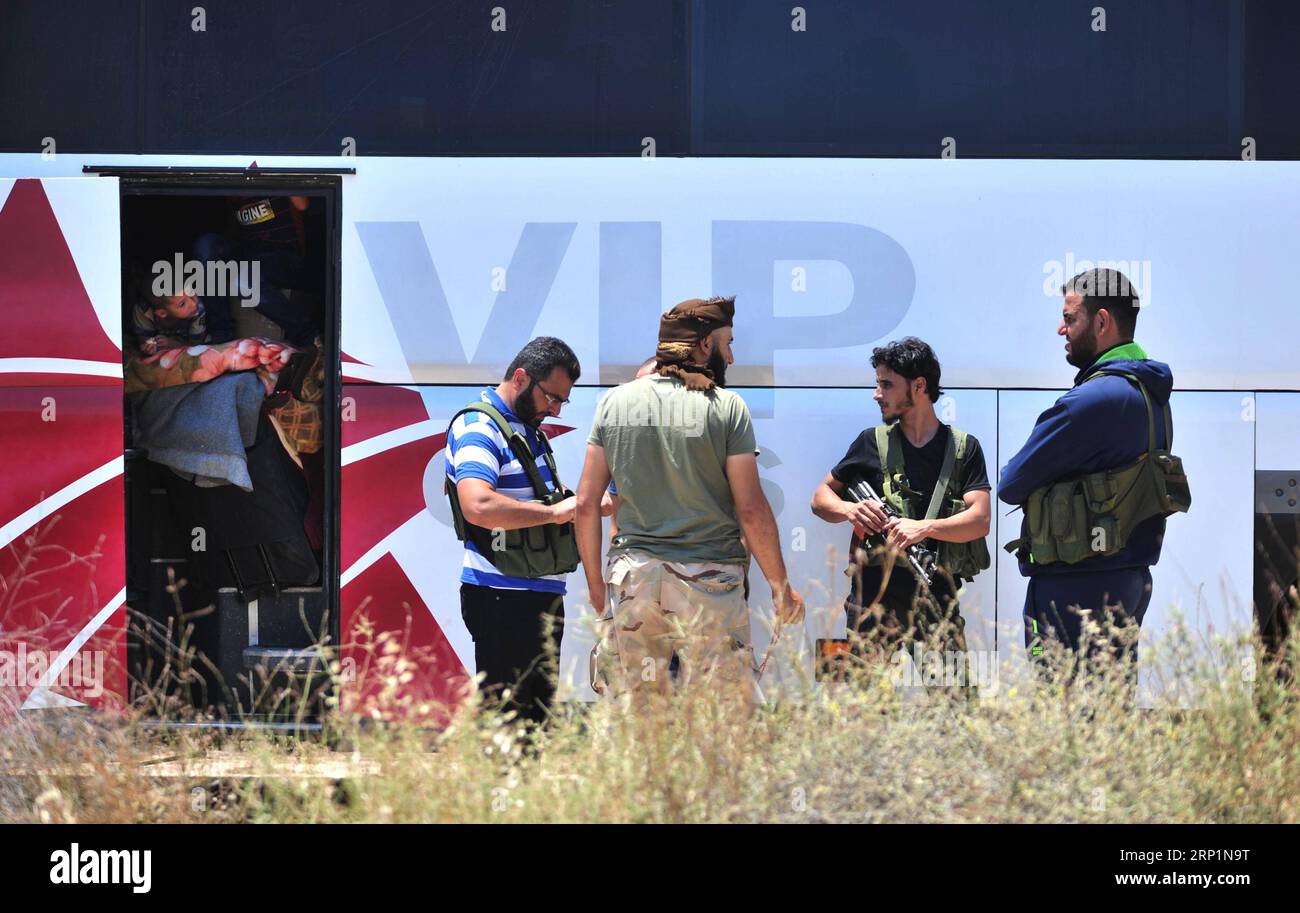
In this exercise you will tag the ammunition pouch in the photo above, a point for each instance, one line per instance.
(1094, 515)
(534, 551)
(963, 559)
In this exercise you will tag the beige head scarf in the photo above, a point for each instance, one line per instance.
(680, 331)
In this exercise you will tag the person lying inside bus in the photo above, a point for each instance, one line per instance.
(194, 364)
(197, 407)
(171, 367)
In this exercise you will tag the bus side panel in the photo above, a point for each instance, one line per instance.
(62, 531)
(397, 662)
(453, 264)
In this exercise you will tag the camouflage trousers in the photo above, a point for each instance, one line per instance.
(656, 610)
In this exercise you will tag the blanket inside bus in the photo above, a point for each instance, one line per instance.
(201, 431)
(192, 364)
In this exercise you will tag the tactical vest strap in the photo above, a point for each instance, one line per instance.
(959, 443)
(519, 446)
(891, 466)
(945, 476)
(1151, 412)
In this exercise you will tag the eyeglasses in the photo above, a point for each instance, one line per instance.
(550, 397)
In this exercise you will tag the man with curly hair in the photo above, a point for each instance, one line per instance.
(934, 478)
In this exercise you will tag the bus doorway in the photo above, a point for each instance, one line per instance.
(230, 324)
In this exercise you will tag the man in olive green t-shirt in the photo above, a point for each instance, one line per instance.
(681, 452)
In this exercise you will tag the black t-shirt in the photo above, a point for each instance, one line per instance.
(921, 466)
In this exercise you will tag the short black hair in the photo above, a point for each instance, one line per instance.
(911, 358)
(1109, 289)
(543, 355)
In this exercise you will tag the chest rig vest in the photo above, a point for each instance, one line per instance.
(961, 559)
(535, 551)
(1093, 515)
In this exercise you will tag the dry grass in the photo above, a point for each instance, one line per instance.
(845, 752)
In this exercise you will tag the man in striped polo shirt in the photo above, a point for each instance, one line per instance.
(516, 621)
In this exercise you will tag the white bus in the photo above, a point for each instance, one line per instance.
(435, 271)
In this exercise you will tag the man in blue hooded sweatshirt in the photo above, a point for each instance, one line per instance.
(1100, 424)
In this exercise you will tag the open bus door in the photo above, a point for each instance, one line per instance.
(234, 581)
(62, 561)
(77, 619)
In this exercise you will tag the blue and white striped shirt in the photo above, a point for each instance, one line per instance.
(476, 449)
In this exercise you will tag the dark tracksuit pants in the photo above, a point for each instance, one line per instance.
(1053, 601)
(909, 615)
(513, 647)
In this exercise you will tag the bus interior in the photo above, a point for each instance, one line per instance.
(230, 350)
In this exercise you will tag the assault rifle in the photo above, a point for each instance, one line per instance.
(921, 559)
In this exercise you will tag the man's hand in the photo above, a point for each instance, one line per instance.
(789, 604)
(563, 511)
(867, 517)
(596, 596)
(903, 534)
